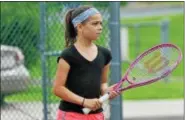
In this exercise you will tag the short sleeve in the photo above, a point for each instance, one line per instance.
(65, 55)
(108, 56)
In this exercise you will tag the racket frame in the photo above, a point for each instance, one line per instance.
(134, 85)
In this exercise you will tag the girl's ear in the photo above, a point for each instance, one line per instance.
(79, 27)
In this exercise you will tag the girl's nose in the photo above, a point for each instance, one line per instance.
(100, 27)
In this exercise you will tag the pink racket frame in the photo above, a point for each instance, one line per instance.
(132, 84)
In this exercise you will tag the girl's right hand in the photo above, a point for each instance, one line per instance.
(92, 104)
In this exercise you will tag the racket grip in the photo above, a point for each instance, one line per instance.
(101, 99)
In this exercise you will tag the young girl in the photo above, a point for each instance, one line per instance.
(83, 66)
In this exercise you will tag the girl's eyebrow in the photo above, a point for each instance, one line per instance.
(97, 21)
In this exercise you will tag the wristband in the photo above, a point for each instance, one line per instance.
(83, 101)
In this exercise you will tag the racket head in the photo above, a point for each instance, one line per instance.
(152, 65)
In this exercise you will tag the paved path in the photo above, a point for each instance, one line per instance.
(153, 110)
(146, 12)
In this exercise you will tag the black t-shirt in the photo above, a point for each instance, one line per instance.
(84, 77)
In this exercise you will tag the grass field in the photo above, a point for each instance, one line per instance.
(158, 90)
(149, 36)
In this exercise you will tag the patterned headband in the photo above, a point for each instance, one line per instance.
(84, 15)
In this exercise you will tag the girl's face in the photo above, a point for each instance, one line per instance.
(92, 27)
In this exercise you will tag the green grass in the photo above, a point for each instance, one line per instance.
(32, 94)
(158, 90)
(149, 36)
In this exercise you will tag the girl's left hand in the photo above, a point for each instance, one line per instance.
(112, 93)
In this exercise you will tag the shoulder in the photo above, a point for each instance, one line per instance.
(104, 50)
(106, 53)
(67, 51)
(66, 54)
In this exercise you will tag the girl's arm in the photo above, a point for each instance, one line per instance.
(59, 88)
(104, 84)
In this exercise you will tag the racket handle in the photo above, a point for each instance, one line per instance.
(101, 99)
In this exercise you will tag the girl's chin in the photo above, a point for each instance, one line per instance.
(96, 38)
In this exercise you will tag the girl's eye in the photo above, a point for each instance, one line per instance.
(95, 23)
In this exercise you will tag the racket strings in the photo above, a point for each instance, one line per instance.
(164, 60)
(154, 64)
(139, 73)
(172, 57)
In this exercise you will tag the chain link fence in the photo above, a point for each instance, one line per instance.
(20, 27)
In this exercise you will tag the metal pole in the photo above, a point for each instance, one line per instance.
(164, 31)
(43, 57)
(164, 38)
(137, 45)
(116, 104)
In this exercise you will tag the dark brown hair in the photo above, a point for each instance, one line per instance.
(70, 31)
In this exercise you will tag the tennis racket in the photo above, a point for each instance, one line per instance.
(151, 66)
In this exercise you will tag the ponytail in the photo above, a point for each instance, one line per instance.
(70, 32)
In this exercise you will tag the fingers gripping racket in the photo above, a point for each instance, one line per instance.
(151, 66)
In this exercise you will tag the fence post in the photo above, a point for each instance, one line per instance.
(164, 38)
(43, 57)
(116, 104)
(137, 45)
(164, 31)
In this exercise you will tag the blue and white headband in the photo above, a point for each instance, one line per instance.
(84, 15)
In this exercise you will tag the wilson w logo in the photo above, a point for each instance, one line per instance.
(156, 63)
